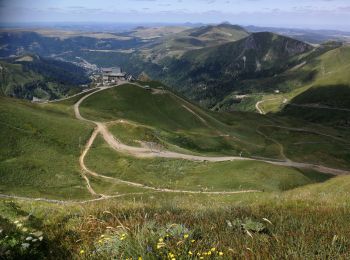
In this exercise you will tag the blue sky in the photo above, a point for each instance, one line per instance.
(317, 14)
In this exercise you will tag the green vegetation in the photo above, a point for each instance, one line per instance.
(164, 121)
(172, 119)
(39, 151)
(309, 222)
(187, 175)
(33, 76)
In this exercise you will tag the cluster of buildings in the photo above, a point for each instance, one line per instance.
(113, 75)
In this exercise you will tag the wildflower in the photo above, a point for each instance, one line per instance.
(25, 229)
(213, 249)
(25, 245)
(201, 257)
(186, 236)
(41, 238)
(221, 253)
(82, 252)
(190, 253)
(37, 233)
(268, 221)
(209, 253)
(198, 254)
(171, 255)
(160, 245)
(100, 241)
(16, 222)
(249, 234)
(160, 240)
(192, 241)
(140, 258)
(102, 236)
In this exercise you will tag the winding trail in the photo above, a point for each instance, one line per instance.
(144, 152)
(5, 196)
(138, 152)
(257, 105)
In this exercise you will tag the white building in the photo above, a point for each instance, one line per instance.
(112, 75)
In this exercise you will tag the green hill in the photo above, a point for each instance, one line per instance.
(316, 89)
(33, 76)
(208, 74)
(160, 118)
(175, 45)
(326, 98)
(40, 146)
(39, 158)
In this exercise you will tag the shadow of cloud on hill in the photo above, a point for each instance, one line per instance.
(329, 104)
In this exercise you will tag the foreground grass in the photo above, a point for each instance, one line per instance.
(158, 226)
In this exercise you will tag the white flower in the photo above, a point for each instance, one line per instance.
(25, 245)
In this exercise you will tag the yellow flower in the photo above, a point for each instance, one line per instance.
(221, 253)
(102, 236)
(140, 258)
(189, 252)
(186, 236)
(192, 241)
(100, 241)
(213, 249)
(122, 238)
(160, 240)
(201, 257)
(209, 253)
(82, 251)
(160, 245)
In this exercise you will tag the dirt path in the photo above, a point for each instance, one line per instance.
(138, 152)
(144, 152)
(5, 196)
(260, 110)
(195, 114)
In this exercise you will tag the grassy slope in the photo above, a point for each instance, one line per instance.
(39, 150)
(181, 174)
(329, 84)
(163, 120)
(40, 77)
(12, 75)
(173, 122)
(308, 222)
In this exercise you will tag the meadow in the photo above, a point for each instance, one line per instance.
(293, 213)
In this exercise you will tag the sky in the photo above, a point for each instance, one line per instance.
(312, 14)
